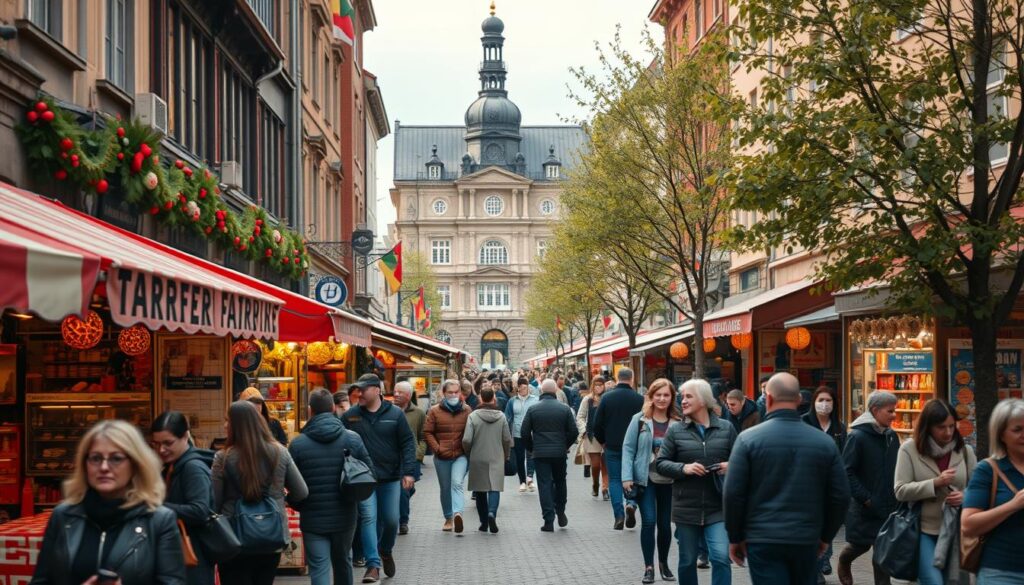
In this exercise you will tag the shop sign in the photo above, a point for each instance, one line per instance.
(727, 326)
(157, 301)
(911, 361)
(351, 331)
(331, 291)
(604, 359)
(961, 380)
(362, 242)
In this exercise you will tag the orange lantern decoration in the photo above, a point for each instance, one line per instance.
(79, 334)
(679, 350)
(742, 341)
(710, 345)
(134, 340)
(319, 353)
(798, 338)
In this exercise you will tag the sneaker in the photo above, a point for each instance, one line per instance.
(563, 520)
(702, 562)
(548, 527)
(458, 524)
(648, 575)
(389, 564)
(666, 573)
(531, 486)
(492, 523)
(618, 524)
(605, 495)
(359, 563)
(372, 575)
(827, 568)
(448, 525)
(403, 529)
(522, 488)
(483, 528)
(630, 516)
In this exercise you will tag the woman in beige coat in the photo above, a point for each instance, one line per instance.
(488, 442)
(593, 453)
(933, 469)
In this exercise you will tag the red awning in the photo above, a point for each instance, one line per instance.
(769, 308)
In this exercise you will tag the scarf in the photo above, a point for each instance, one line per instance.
(936, 451)
(105, 513)
(868, 418)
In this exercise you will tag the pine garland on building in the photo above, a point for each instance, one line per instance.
(176, 194)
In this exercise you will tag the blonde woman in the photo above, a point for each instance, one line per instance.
(593, 451)
(114, 494)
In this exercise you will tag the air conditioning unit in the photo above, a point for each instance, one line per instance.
(151, 111)
(231, 174)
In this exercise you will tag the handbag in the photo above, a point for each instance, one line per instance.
(218, 539)
(896, 546)
(186, 546)
(511, 465)
(971, 546)
(357, 481)
(259, 526)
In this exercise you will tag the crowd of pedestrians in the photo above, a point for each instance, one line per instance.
(765, 484)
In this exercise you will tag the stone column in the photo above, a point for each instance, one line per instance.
(459, 193)
(472, 204)
(526, 203)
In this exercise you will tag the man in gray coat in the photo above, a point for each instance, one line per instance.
(785, 493)
(487, 441)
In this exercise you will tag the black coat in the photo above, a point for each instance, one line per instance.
(870, 459)
(319, 453)
(614, 414)
(388, 440)
(147, 550)
(695, 500)
(836, 429)
(549, 428)
(190, 496)
(786, 484)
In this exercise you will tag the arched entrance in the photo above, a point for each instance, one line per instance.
(494, 349)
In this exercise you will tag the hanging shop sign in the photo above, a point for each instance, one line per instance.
(362, 242)
(157, 301)
(331, 291)
(727, 326)
(910, 361)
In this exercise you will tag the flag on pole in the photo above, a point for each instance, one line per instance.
(391, 267)
(558, 323)
(607, 320)
(421, 307)
(341, 13)
(426, 322)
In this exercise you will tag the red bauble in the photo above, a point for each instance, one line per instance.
(67, 144)
(202, 193)
(168, 205)
(284, 260)
(145, 149)
(41, 106)
(251, 239)
(238, 240)
(60, 174)
(102, 186)
(120, 156)
(120, 132)
(243, 247)
(154, 210)
(47, 116)
(187, 171)
(178, 163)
(32, 116)
(208, 230)
(137, 162)
(206, 174)
(259, 222)
(256, 230)
(64, 155)
(269, 253)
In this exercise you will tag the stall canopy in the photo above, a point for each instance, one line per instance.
(596, 345)
(621, 348)
(826, 315)
(401, 338)
(766, 309)
(673, 334)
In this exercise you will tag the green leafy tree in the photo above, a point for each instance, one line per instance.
(648, 192)
(887, 147)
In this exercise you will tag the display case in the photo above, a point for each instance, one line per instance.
(10, 463)
(910, 375)
(58, 420)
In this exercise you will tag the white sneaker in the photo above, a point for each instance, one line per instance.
(522, 488)
(531, 486)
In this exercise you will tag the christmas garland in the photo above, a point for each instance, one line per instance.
(177, 195)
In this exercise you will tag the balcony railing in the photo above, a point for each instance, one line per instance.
(267, 12)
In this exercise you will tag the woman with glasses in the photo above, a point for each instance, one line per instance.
(189, 489)
(113, 495)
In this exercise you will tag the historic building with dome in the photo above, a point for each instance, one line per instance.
(479, 202)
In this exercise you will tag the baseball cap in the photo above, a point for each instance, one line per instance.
(367, 380)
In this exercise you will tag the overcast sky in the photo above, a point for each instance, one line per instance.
(426, 56)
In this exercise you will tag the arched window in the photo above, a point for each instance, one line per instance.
(494, 205)
(547, 207)
(542, 248)
(493, 252)
(443, 336)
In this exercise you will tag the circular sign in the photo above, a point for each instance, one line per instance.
(332, 291)
(362, 241)
(246, 356)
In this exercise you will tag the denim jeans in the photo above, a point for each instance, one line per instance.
(613, 461)
(825, 558)
(487, 505)
(551, 486)
(656, 513)
(378, 522)
(325, 552)
(451, 474)
(524, 462)
(927, 574)
(794, 564)
(403, 507)
(999, 577)
(687, 535)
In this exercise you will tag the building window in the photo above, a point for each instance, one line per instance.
(547, 207)
(787, 74)
(440, 206)
(314, 66)
(750, 279)
(493, 252)
(998, 104)
(911, 28)
(46, 14)
(445, 292)
(494, 205)
(238, 109)
(190, 84)
(553, 171)
(717, 8)
(753, 99)
(493, 297)
(542, 248)
(119, 36)
(273, 165)
(443, 336)
(698, 17)
(440, 251)
(434, 172)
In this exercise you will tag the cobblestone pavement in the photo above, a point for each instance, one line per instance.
(587, 551)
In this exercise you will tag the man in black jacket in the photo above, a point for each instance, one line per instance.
(548, 431)
(611, 421)
(785, 492)
(328, 520)
(392, 446)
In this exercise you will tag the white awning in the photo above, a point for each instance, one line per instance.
(826, 315)
(679, 333)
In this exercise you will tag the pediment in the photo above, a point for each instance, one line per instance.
(493, 175)
(493, 271)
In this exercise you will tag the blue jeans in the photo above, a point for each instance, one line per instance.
(403, 505)
(325, 552)
(451, 473)
(613, 459)
(999, 577)
(487, 505)
(378, 522)
(927, 573)
(656, 513)
(825, 558)
(793, 564)
(687, 536)
(524, 462)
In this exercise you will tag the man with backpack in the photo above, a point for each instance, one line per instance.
(327, 517)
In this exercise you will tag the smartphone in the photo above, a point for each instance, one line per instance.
(713, 467)
(107, 577)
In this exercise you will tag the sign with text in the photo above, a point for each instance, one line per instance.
(911, 361)
(332, 291)
(161, 302)
(727, 326)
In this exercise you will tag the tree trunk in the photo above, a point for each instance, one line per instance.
(698, 346)
(983, 340)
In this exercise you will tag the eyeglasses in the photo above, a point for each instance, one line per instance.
(114, 461)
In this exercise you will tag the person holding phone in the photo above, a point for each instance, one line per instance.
(114, 494)
(933, 469)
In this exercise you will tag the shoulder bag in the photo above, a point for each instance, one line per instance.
(218, 539)
(357, 481)
(896, 546)
(972, 546)
(260, 525)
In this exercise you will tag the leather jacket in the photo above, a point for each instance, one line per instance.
(147, 550)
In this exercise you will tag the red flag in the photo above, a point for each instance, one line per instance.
(607, 320)
(558, 323)
(421, 307)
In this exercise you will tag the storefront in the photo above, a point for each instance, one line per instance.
(666, 355)
(399, 354)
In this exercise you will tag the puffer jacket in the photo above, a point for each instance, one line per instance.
(444, 429)
(696, 500)
(870, 459)
(147, 550)
(549, 428)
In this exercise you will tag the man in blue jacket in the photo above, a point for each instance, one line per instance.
(392, 446)
(327, 519)
(786, 492)
(611, 421)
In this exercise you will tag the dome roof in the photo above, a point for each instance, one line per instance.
(492, 25)
(493, 111)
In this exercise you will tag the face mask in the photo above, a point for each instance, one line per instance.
(823, 407)
(453, 400)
